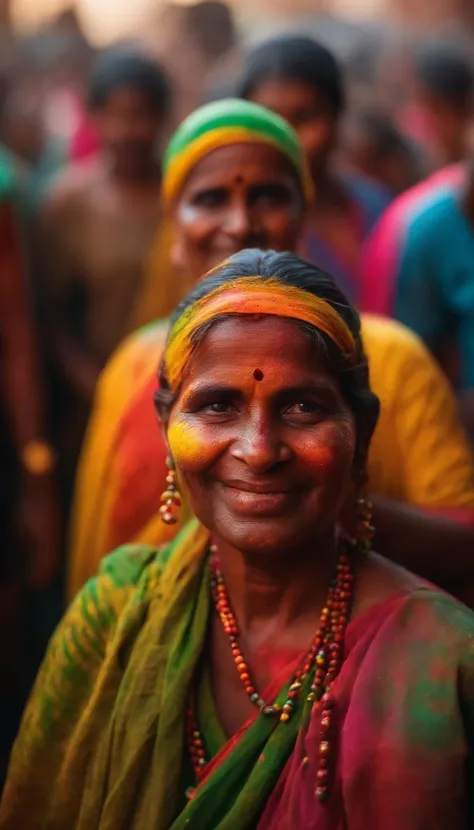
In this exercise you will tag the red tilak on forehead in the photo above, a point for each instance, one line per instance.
(258, 374)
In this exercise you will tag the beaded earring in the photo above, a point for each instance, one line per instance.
(171, 498)
(364, 530)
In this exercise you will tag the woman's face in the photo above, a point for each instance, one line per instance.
(308, 113)
(262, 437)
(239, 196)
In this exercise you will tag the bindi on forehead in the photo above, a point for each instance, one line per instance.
(258, 374)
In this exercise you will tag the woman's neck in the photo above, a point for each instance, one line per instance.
(281, 590)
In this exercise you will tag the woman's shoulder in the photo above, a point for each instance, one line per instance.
(396, 356)
(99, 604)
(381, 333)
(135, 360)
(126, 565)
(125, 582)
(127, 570)
(148, 342)
(392, 597)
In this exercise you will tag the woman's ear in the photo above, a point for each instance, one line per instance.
(163, 413)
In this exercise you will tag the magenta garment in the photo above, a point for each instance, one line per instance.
(85, 141)
(416, 123)
(381, 254)
(404, 720)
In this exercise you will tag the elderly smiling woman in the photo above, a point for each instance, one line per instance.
(265, 670)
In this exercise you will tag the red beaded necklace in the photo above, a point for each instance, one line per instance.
(323, 661)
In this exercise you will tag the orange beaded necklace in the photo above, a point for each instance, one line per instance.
(322, 663)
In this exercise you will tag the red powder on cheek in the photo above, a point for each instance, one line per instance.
(320, 456)
(334, 447)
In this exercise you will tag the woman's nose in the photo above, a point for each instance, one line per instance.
(238, 223)
(260, 447)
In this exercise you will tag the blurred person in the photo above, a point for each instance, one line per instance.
(419, 267)
(99, 221)
(372, 145)
(213, 27)
(21, 126)
(300, 80)
(55, 62)
(24, 134)
(193, 41)
(98, 224)
(440, 114)
(28, 504)
(380, 257)
(234, 176)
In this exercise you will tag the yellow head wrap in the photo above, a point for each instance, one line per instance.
(252, 296)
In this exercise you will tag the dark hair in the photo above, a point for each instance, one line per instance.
(381, 130)
(446, 73)
(212, 25)
(386, 141)
(125, 66)
(294, 58)
(291, 270)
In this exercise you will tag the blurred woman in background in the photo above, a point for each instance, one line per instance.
(235, 176)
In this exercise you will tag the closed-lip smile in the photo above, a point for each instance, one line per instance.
(264, 499)
(265, 488)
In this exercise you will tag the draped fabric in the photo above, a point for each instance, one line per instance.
(102, 745)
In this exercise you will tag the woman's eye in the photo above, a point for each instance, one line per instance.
(272, 195)
(218, 408)
(209, 199)
(305, 408)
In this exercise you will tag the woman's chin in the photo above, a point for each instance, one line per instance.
(263, 535)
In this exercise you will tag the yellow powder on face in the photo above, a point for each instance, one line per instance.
(187, 447)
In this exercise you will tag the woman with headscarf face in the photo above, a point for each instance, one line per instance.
(235, 176)
(265, 670)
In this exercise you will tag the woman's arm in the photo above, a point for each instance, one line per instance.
(431, 528)
(77, 366)
(24, 398)
(437, 547)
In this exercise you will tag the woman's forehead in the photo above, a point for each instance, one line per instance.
(254, 162)
(240, 345)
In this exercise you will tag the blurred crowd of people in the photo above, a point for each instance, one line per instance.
(89, 254)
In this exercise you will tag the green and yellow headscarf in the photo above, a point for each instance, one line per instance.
(231, 121)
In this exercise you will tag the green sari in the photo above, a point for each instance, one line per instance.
(102, 744)
(107, 712)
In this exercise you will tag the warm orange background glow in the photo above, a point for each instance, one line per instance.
(106, 20)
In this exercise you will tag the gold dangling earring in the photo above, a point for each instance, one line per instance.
(171, 498)
(364, 530)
